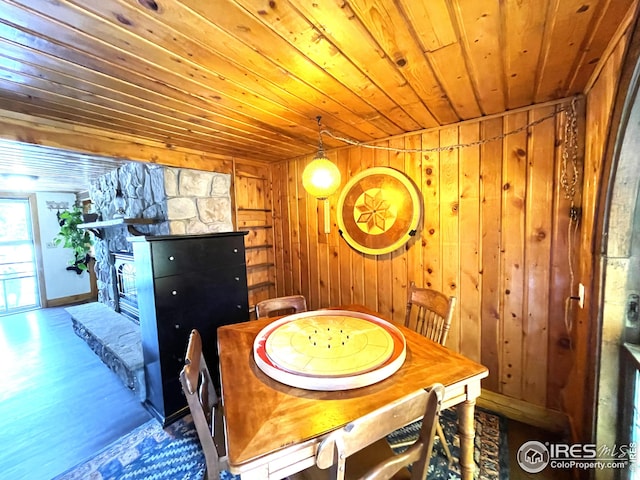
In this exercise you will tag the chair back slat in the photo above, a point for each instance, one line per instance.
(281, 306)
(429, 313)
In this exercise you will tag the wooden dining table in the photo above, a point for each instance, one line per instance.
(273, 430)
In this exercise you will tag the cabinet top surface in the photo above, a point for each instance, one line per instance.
(156, 238)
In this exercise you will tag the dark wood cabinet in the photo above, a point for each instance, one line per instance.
(185, 282)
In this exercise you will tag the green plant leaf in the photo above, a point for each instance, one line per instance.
(70, 236)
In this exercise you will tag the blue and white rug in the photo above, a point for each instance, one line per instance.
(174, 453)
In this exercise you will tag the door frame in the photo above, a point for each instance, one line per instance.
(615, 257)
(37, 244)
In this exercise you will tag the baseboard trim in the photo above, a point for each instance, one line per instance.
(72, 299)
(521, 411)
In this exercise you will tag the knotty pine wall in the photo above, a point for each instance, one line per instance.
(493, 233)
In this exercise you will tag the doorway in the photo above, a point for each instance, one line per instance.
(19, 283)
(618, 387)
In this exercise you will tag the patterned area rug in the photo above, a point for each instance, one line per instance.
(490, 450)
(149, 452)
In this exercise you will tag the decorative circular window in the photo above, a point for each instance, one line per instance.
(378, 210)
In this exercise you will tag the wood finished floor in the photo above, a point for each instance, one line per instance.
(518, 434)
(59, 404)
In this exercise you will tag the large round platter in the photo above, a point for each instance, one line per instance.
(329, 350)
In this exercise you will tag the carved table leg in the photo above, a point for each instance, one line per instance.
(466, 430)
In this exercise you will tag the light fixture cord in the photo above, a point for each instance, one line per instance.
(320, 153)
(450, 147)
(569, 175)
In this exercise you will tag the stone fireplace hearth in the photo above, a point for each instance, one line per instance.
(113, 338)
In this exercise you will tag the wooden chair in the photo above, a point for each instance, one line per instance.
(281, 306)
(429, 313)
(205, 407)
(360, 450)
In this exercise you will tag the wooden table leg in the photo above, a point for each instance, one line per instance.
(467, 431)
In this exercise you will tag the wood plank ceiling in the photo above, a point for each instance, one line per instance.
(249, 77)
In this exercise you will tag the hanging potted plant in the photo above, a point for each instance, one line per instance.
(77, 239)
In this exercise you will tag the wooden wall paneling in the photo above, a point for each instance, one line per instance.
(313, 226)
(252, 192)
(559, 338)
(322, 254)
(431, 276)
(399, 256)
(541, 186)
(371, 285)
(342, 251)
(289, 210)
(358, 260)
(300, 199)
(324, 278)
(513, 258)
(281, 237)
(325, 242)
(449, 225)
(415, 247)
(334, 241)
(383, 262)
(470, 287)
(332, 264)
(491, 213)
(489, 233)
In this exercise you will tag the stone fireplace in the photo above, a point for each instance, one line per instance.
(155, 200)
(176, 200)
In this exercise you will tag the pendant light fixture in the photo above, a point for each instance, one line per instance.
(321, 178)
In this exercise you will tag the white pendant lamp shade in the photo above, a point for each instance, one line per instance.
(321, 178)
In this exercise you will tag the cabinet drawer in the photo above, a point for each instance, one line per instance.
(197, 289)
(174, 326)
(186, 255)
